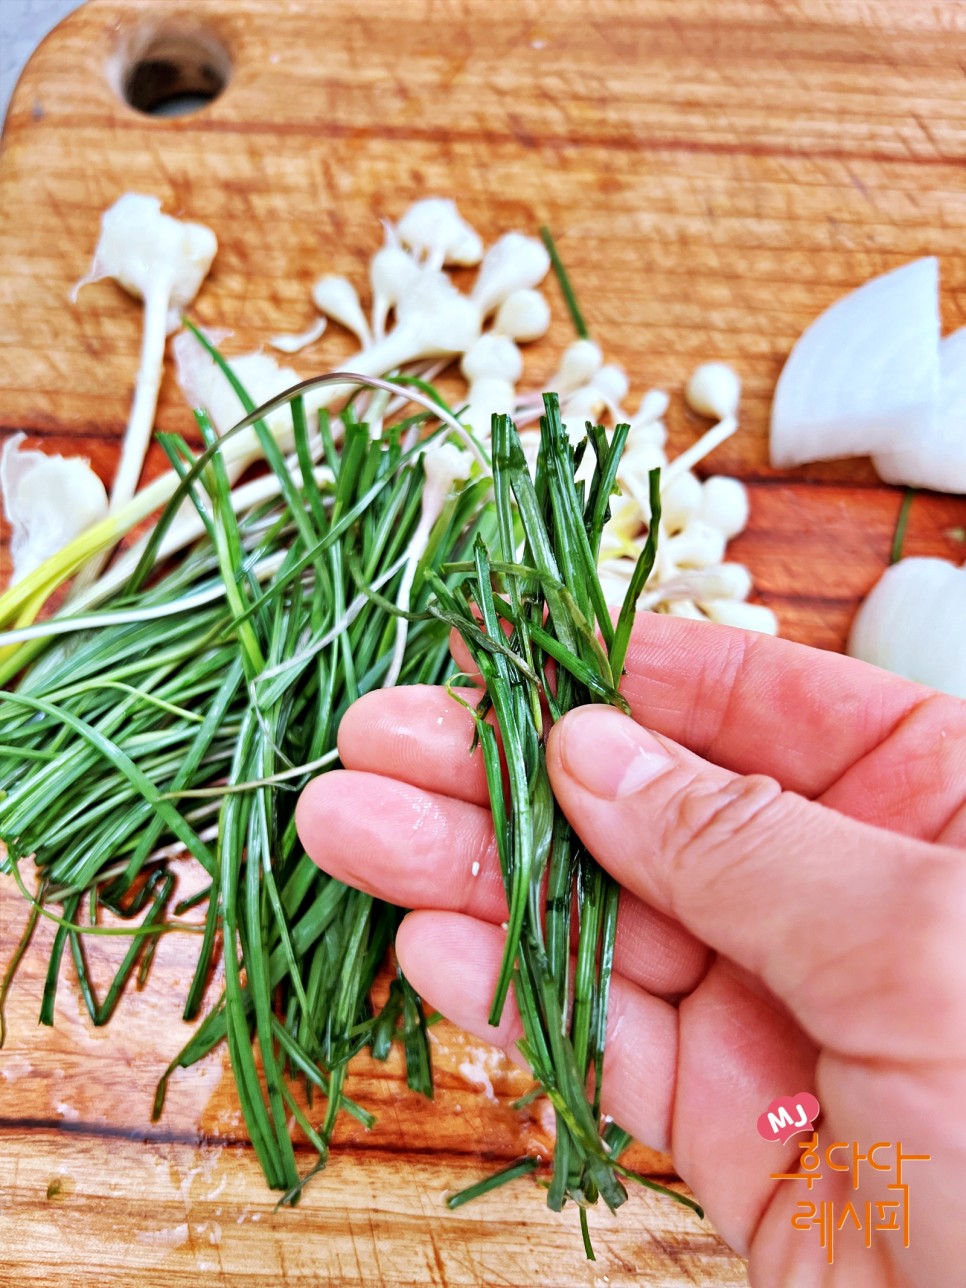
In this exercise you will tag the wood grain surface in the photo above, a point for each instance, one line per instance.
(716, 172)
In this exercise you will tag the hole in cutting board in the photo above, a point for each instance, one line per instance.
(170, 71)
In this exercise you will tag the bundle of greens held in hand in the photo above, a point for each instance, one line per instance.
(184, 692)
(184, 715)
(529, 604)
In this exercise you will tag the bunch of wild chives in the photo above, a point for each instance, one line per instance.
(529, 598)
(188, 714)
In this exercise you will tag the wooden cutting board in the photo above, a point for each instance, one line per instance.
(716, 172)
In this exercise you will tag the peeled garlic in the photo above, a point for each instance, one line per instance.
(205, 385)
(580, 363)
(491, 367)
(151, 254)
(295, 341)
(653, 405)
(698, 546)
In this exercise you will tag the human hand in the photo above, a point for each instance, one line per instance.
(790, 839)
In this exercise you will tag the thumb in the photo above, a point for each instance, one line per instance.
(856, 929)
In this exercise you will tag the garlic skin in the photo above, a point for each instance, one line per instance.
(913, 623)
(49, 500)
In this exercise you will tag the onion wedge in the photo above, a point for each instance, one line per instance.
(913, 622)
(935, 457)
(864, 377)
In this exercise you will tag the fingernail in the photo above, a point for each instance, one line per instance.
(608, 754)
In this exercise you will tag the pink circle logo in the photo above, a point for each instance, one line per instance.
(787, 1115)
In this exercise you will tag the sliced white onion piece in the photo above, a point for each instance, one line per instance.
(865, 374)
(935, 456)
(913, 622)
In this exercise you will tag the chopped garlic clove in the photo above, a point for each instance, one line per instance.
(49, 500)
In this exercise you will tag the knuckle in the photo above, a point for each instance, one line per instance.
(723, 821)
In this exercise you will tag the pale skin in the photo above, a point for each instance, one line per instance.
(789, 828)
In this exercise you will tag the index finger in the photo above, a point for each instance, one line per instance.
(752, 703)
(755, 704)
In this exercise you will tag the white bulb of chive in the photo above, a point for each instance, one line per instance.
(163, 262)
(435, 230)
(580, 363)
(514, 263)
(392, 273)
(714, 389)
(523, 316)
(491, 367)
(338, 299)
